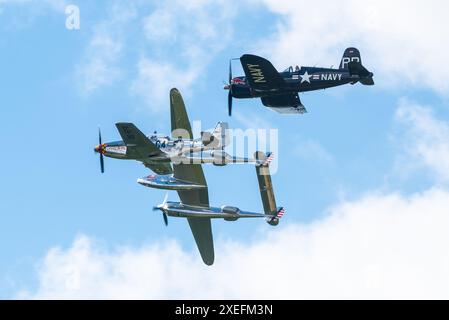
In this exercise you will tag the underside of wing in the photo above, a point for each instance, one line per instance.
(261, 74)
(285, 103)
(201, 227)
(180, 124)
(202, 232)
(159, 168)
(187, 172)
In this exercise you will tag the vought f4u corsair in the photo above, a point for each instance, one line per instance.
(279, 90)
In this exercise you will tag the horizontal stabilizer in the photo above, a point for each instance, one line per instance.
(366, 77)
(265, 185)
(367, 81)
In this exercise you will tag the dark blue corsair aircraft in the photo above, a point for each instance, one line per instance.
(279, 90)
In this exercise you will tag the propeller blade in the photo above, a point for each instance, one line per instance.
(230, 103)
(101, 163)
(101, 154)
(165, 218)
(230, 71)
(165, 199)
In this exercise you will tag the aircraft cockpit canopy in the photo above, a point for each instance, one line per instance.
(291, 70)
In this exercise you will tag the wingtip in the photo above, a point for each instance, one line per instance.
(208, 263)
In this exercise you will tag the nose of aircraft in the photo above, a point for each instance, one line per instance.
(100, 148)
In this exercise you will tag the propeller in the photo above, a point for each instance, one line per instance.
(165, 218)
(230, 89)
(100, 150)
(228, 86)
(161, 207)
(230, 103)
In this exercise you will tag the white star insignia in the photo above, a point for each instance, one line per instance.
(305, 77)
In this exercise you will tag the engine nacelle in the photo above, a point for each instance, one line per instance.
(231, 219)
(231, 210)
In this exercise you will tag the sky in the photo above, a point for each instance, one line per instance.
(363, 176)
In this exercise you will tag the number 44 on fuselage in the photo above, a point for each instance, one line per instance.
(279, 90)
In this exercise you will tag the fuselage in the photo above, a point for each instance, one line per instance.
(178, 151)
(300, 80)
(178, 209)
(170, 147)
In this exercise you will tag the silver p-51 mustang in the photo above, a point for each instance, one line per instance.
(157, 152)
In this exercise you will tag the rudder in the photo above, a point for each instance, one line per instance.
(350, 55)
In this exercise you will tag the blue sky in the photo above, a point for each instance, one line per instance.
(356, 142)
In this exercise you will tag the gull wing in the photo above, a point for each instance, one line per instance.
(261, 74)
(159, 168)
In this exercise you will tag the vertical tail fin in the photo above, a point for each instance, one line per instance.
(221, 134)
(218, 138)
(352, 62)
(350, 55)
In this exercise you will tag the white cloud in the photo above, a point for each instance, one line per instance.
(29, 11)
(425, 140)
(380, 246)
(400, 41)
(160, 25)
(183, 37)
(100, 64)
(252, 121)
(55, 4)
(156, 78)
(312, 150)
